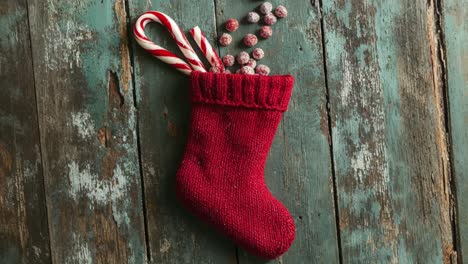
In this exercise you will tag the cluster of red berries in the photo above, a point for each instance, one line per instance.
(249, 65)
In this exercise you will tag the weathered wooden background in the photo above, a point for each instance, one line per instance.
(371, 158)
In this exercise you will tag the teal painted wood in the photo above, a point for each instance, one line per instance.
(387, 71)
(24, 236)
(88, 131)
(388, 125)
(456, 40)
(175, 236)
(298, 170)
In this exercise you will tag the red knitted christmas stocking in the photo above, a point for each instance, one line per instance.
(221, 179)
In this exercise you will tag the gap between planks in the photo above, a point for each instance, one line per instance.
(129, 26)
(318, 5)
(439, 62)
(41, 140)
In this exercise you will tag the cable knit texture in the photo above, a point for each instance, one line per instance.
(221, 178)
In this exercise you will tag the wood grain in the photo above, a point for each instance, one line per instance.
(24, 236)
(88, 131)
(390, 148)
(455, 26)
(175, 236)
(298, 170)
(92, 130)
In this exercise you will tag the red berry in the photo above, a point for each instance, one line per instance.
(281, 11)
(266, 32)
(258, 54)
(225, 39)
(228, 60)
(247, 70)
(266, 8)
(227, 72)
(243, 57)
(232, 25)
(270, 19)
(262, 70)
(251, 63)
(250, 40)
(253, 17)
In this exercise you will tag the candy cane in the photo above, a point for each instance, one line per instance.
(160, 52)
(206, 48)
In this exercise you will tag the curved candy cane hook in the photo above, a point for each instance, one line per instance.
(194, 63)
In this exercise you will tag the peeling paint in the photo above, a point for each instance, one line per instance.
(361, 163)
(84, 124)
(65, 37)
(116, 99)
(84, 183)
(126, 76)
(165, 246)
(31, 168)
(347, 82)
(119, 190)
(104, 135)
(80, 252)
(37, 251)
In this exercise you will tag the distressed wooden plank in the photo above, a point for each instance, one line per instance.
(175, 236)
(88, 131)
(455, 26)
(390, 148)
(298, 169)
(24, 236)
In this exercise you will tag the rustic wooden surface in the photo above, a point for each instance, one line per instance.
(370, 158)
(455, 27)
(388, 131)
(87, 121)
(24, 235)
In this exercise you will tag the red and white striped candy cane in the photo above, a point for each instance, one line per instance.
(206, 48)
(160, 52)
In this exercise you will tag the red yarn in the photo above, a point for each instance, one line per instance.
(221, 178)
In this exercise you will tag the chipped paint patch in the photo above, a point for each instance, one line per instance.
(165, 246)
(84, 183)
(347, 82)
(31, 169)
(104, 135)
(117, 191)
(360, 162)
(37, 251)
(65, 38)
(119, 8)
(80, 252)
(83, 122)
